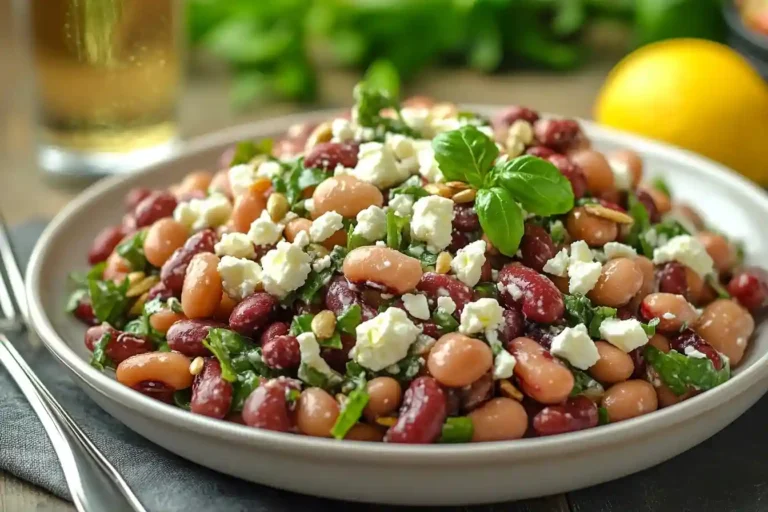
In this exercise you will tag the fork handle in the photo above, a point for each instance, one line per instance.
(95, 485)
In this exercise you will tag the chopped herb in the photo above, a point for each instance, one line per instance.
(225, 345)
(245, 151)
(132, 251)
(369, 102)
(246, 382)
(142, 325)
(163, 347)
(354, 240)
(445, 322)
(109, 301)
(642, 222)
(75, 298)
(301, 324)
(457, 430)
(585, 385)
(650, 327)
(349, 319)
(396, 230)
(602, 416)
(337, 257)
(557, 232)
(309, 293)
(661, 185)
(182, 398)
(99, 358)
(412, 187)
(487, 290)
(316, 378)
(351, 411)
(580, 310)
(80, 279)
(420, 252)
(679, 372)
(716, 285)
(332, 342)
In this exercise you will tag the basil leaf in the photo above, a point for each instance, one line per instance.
(301, 324)
(225, 345)
(164, 347)
(580, 310)
(600, 313)
(314, 377)
(602, 416)
(420, 252)
(349, 319)
(246, 150)
(557, 232)
(351, 411)
(650, 327)
(501, 218)
(487, 290)
(332, 342)
(412, 187)
(396, 227)
(109, 301)
(457, 429)
(99, 357)
(585, 385)
(370, 101)
(132, 250)
(382, 74)
(309, 293)
(182, 398)
(354, 240)
(142, 325)
(466, 154)
(445, 322)
(679, 372)
(337, 257)
(642, 222)
(311, 177)
(661, 185)
(246, 382)
(80, 279)
(74, 300)
(536, 184)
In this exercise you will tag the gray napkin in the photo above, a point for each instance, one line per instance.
(725, 473)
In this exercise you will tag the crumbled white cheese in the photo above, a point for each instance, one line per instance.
(264, 231)
(615, 250)
(210, 212)
(384, 340)
(504, 365)
(269, 169)
(418, 118)
(580, 252)
(558, 264)
(325, 226)
(285, 268)
(416, 305)
(575, 346)
(432, 222)
(622, 176)
(301, 240)
(376, 164)
(583, 273)
(402, 204)
(481, 315)
(512, 289)
(624, 334)
(371, 223)
(686, 250)
(692, 352)
(310, 355)
(321, 264)
(446, 305)
(241, 177)
(342, 130)
(237, 245)
(428, 166)
(468, 263)
(239, 277)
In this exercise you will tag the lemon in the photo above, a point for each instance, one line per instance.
(696, 94)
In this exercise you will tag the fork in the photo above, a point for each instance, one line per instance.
(95, 485)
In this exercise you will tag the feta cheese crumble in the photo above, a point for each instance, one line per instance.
(384, 340)
(432, 222)
(325, 226)
(237, 245)
(481, 315)
(468, 263)
(269, 169)
(558, 264)
(622, 176)
(428, 166)
(416, 305)
(692, 352)
(241, 177)
(264, 231)
(285, 268)
(321, 264)
(402, 204)
(239, 277)
(210, 212)
(504, 365)
(575, 346)
(687, 250)
(626, 335)
(376, 164)
(342, 130)
(615, 250)
(583, 272)
(310, 355)
(372, 223)
(446, 305)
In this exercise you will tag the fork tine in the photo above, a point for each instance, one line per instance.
(6, 303)
(14, 273)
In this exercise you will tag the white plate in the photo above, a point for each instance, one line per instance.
(381, 473)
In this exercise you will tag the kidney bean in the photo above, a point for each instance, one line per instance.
(650, 205)
(135, 196)
(155, 389)
(750, 287)
(476, 394)
(719, 249)
(338, 358)
(689, 338)
(316, 412)
(211, 395)
(513, 324)
(542, 377)
(459, 240)
(513, 113)
(274, 330)
(500, 419)
(727, 327)
(619, 281)
(421, 415)
(541, 152)
(572, 172)
(541, 300)
(327, 155)
(436, 285)
(385, 395)
(536, 247)
(163, 238)
(252, 313)
(672, 279)
(175, 268)
(677, 310)
(577, 413)
(267, 408)
(457, 360)
(614, 364)
(281, 352)
(201, 292)
(93, 334)
(186, 336)
(629, 399)
(170, 368)
(558, 134)
(383, 266)
(345, 195)
(104, 243)
(159, 291)
(340, 295)
(465, 218)
(594, 230)
(127, 345)
(84, 312)
(596, 170)
(153, 207)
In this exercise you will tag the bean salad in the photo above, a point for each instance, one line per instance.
(415, 273)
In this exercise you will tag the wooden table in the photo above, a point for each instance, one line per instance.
(25, 193)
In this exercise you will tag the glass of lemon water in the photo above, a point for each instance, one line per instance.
(108, 82)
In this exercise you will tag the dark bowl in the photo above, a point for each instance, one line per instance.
(751, 44)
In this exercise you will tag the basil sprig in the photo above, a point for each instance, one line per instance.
(680, 372)
(468, 155)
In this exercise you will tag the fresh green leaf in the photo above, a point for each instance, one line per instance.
(74, 300)
(99, 358)
(246, 382)
(316, 378)
(487, 290)
(80, 279)
(354, 240)
(501, 219)
(301, 324)
(309, 293)
(142, 325)
(337, 257)
(406, 369)
(536, 184)
(132, 250)
(396, 230)
(383, 75)
(557, 232)
(369, 102)
(351, 411)
(349, 319)
(419, 251)
(109, 301)
(225, 345)
(332, 342)
(602, 416)
(245, 151)
(650, 327)
(182, 398)
(585, 385)
(661, 185)
(580, 310)
(444, 321)
(163, 347)
(311, 177)
(457, 429)
(412, 187)
(679, 372)
(466, 154)
(600, 313)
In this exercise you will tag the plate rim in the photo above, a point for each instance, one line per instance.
(419, 455)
